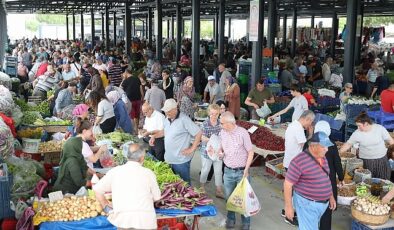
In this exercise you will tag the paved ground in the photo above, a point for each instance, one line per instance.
(270, 196)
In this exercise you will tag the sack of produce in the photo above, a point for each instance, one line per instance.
(6, 141)
(243, 200)
(361, 174)
(106, 160)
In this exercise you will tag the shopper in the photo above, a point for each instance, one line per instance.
(257, 97)
(179, 130)
(299, 103)
(232, 96)
(186, 98)
(307, 187)
(210, 127)
(155, 96)
(345, 95)
(132, 199)
(168, 84)
(64, 98)
(387, 99)
(133, 88)
(238, 156)
(212, 90)
(105, 115)
(122, 119)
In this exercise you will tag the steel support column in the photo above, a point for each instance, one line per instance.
(102, 26)
(150, 26)
(67, 29)
(134, 30)
(216, 29)
(107, 40)
(93, 31)
(82, 28)
(313, 21)
(222, 20)
(3, 34)
(351, 23)
(74, 33)
(159, 35)
(168, 30)
(284, 38)
(257, 47)
(358, 45)
(127, 28)
(114, 21)
(271, 29)
(178, 32)
(334, 33)
(172, 28)
(229, 28)
(196, 44)
(294, 33)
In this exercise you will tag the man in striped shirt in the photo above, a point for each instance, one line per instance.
(308, 176)
(115, 73)
(238, 156)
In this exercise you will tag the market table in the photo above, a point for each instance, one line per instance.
(279, 131)
(102, 223)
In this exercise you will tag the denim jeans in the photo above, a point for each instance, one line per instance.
(206, 167)
(231, 179)
(308, 212)
(183, 170)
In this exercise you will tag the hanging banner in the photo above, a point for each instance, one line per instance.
(254, 20)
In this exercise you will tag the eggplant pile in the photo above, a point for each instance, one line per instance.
(180, 195)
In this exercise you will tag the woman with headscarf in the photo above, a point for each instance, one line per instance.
(122, 119)
(186, 98)
(105, 116)
(232, 96)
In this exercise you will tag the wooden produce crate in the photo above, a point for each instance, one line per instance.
(273, 167)
(55, 128)
(34, 99)
(51, 157)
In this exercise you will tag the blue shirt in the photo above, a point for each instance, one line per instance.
(178, 136)
(64, 99)
(122, 118)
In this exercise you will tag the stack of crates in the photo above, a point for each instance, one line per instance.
(5, 193)
(11, 66)
(352, 111)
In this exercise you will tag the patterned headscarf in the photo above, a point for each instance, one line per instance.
(114, 97)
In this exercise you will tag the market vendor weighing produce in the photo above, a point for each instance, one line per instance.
(257, 97)
(132, 198)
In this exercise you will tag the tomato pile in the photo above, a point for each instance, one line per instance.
(263, 138)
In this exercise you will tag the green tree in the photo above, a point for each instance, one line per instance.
(32, 25)
(369, 22)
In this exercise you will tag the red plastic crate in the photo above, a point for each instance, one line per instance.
(9, 224)
(169, 222)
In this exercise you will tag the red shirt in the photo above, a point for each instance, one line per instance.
(308, 98)
(387, 100)
(42, 69)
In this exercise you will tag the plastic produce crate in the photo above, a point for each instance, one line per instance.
(271, 167)
(5, 194)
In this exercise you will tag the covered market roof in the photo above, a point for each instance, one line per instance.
(208, 7)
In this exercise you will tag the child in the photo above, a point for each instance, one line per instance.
(309, 97)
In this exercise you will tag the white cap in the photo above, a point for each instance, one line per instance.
(169, 104)
(210, 77)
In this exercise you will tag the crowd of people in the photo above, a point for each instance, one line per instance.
(159, 104)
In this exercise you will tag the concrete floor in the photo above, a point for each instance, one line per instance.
(268, 189)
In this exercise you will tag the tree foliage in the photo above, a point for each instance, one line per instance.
(32, 25)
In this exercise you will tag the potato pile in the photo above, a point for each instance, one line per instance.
(70, 209)
(371, 205)
(50, 146)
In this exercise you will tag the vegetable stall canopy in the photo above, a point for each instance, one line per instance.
(208, 7)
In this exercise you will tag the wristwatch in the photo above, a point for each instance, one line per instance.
(107, 209)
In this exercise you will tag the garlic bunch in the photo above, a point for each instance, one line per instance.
(70, 209)
(371, 205)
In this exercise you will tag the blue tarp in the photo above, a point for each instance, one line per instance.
(334, 124)
(102, 223)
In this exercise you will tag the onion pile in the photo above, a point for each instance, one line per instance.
(371, 205)
(70, 209)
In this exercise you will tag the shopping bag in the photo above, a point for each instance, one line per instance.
(97, 130)
(263, 111)
(215, 144)
(243, 200)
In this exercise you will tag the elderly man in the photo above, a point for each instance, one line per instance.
(155, 96)
(307, 186)
(257, 97)
(213, 90)
(154, 123)
(223, 76)
(132, 199)
(45, 82)
(67, 74)
(179, 130)
(238, 155)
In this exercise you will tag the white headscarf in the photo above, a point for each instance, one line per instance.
(323, 126)
(113, 97)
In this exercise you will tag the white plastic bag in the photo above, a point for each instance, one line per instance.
(263, 111)
(243, 200)
(97, 130)
(214, 143)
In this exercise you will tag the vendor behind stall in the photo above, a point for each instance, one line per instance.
(371, 138)
(132, 198)
(257, 97)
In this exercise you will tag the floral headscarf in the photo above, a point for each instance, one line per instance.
(114, 97)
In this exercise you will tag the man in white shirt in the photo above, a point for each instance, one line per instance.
(67, 74)
(154, 123)
(132, 199)
(213, 90)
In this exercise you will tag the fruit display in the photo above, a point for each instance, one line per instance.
(72, 208)
(263, 138)
(361, 190)
(371, 205)
(32, 133)
(50, 146)
(117, 137)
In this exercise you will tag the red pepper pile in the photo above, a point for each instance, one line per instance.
(263, 138)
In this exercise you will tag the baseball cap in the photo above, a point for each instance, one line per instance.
(322, 139)
(169, 104)
(323, 126)
(210, 78)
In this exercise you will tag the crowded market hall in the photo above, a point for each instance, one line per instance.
(197, 114)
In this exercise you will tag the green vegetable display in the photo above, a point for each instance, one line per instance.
(42, 122)
(118, 157)
(42, 108)
(163, 172)
(29, 117)
(117, 137)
